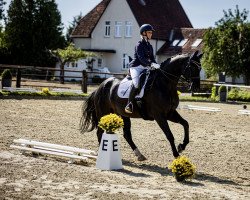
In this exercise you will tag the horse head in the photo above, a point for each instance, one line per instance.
(193, 70)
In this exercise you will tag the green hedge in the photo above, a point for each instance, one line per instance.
(236, 94)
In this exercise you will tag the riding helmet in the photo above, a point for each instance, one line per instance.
(146, 27)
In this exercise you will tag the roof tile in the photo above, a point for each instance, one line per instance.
(163, 15)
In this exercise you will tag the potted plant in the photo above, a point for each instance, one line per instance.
(110, 123)
(223, 93)
(109, 155)
(182, 168)
(6, 78)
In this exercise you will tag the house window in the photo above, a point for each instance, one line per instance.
(128, 29)
(174, 43)
(125, 62)
(196, 43)
(99, 62)
(182, 42)
(118, 27)
(107, 28)
(74, 64)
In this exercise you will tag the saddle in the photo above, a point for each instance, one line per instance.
(145, 81)
(126, 84)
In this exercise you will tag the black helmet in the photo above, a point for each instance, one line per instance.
(146, 27)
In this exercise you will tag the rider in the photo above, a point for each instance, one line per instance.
(143, 57)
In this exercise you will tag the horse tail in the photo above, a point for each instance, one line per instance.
(89, 119)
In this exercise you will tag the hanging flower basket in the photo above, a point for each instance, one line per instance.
(110, 123)
(182, 168)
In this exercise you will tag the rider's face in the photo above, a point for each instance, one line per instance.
(149, 34)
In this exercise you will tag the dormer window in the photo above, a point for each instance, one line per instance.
(107, 28)
(196, 43)
(182, 42)
(174, 43)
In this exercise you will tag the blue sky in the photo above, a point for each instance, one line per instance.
(202, 14)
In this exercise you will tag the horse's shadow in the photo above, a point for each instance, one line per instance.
(166, 172)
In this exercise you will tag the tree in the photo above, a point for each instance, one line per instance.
(31, 27)
(2, 3)
(227, 46)
(69, 54)
(72, 26)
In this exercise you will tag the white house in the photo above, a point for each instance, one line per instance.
(111, 29)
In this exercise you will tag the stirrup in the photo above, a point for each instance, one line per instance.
(129, 108)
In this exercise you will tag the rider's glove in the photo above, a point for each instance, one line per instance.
(155, 65)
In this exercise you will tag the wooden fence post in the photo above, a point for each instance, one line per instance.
(84, 81)
(18, 78)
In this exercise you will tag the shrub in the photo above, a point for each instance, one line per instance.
(213, 93)
(222, 88)
(233, 94)
(239, 95)
(7, 74)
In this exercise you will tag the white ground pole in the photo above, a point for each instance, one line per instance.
(244, 112)
(53, 149)
(202, 108)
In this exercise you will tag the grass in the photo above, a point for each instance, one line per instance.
(42, 94)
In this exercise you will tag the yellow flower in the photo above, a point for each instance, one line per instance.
(45, 90)
(182, 168)
(178, 92)
(110, 123)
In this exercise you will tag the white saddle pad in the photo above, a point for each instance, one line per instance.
(125, 87)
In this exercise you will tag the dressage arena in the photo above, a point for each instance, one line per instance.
(219, 147)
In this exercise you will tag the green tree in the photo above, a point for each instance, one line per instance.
(69, 54)
(72, 26)
(33, 26)
(2, 3)
(227, 46)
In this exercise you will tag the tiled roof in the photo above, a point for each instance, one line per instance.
(190, 34)
(89, 21)
(163, 15)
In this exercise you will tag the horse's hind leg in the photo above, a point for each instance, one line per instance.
(127, 135)
(175, 117)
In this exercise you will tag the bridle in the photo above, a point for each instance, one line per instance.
(187, 70)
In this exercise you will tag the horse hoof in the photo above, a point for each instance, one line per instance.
(180, 148)
(142, 158)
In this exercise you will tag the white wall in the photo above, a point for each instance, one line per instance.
(117, 10)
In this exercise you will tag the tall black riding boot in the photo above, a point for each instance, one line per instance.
(129, 107)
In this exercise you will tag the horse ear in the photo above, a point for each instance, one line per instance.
(194, 55)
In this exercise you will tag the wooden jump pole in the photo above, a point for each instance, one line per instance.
(53, 149)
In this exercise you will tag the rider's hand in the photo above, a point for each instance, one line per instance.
(155, 65)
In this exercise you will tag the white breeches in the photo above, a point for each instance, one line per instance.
(135, 74)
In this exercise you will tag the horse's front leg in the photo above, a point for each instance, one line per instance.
(175, 117)
(127, 135)
(162, 122)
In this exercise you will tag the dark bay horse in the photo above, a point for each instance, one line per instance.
(161, 101)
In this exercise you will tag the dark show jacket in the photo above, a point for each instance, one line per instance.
(144, 54)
